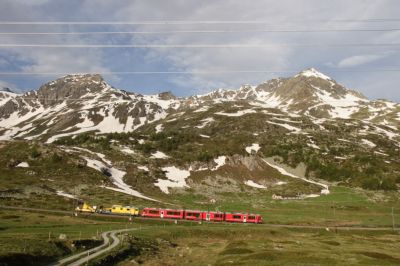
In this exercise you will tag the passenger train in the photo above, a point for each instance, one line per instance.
(176, 214)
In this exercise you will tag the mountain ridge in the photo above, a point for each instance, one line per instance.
(81, 103)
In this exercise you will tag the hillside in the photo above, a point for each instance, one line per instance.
(293, 138)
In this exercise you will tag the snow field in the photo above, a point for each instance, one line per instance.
(254, 147)
(175, 179)
(253, 184)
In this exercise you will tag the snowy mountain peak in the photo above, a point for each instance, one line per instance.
(6, 94)
(312, 72)
(77, 79)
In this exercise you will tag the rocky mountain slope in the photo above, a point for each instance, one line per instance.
(82, 103)
(308, 93)
(5, 95)
(286, 138)
(76, 104)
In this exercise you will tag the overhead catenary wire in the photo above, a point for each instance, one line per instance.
(191, 72)
(200, 31)
(193, 22)
(31, 45)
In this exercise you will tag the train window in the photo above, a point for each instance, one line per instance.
(197, 215)
(251, 217)
(153, 211)
(127, 209)
(217, 215)
(173, 213)
(237, 217)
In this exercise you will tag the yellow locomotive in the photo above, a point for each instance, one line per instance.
(122, 210)
(85, 208)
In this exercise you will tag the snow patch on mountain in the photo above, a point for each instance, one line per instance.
(325, 187)
(159, 128)
(127, 150)
(220, 161)
(206, 122)
(66, 195)
(238, 113)
(144, 168)
(253, 184)
(368, 143)
(202, 109)
(105, 166)
(312, 72)
(287, 126)
(254, 147)
(176, 179)
(5, 96)
(159, 155)
(156, 99)
(23, 165)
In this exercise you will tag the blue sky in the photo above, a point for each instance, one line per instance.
(343, 63)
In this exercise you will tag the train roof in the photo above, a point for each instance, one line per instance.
(241, 213)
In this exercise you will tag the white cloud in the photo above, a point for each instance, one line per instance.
(5, 84)
(283, 14)
(62, 60)
(357, 60)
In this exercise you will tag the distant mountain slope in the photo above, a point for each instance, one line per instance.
(82, 103)
(307, 93)
(76, 104)
(292, 138)
(5, 95)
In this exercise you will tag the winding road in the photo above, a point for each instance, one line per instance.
(86, 256)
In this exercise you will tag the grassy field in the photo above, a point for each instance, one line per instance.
(344, 206)
(36, 235)
(260, 245)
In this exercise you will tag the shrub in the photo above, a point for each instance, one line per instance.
(388, 183)
(35, 152)
(55, 158)
(371, 183)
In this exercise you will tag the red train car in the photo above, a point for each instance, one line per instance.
(172, 214)
(163, 213)
(254, 218)
(243, 218)
(193, 215)
(151, 212)
(213, 216)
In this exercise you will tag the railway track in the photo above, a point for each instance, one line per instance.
(125, 217)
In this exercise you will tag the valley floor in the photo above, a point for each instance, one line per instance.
(34, 238)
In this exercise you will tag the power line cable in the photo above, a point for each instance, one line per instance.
(190, 22)
(197, 45)
(190, 72)
(200, 31)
